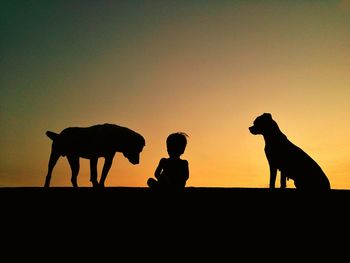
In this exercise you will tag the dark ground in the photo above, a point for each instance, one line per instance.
(198, 220)
(193, 200)
(129, 203)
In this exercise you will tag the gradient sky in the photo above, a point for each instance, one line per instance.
(207, 68)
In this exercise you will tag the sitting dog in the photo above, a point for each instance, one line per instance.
(91, 143)
(292, 161)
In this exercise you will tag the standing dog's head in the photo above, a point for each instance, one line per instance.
(133, 145)
(263, 124)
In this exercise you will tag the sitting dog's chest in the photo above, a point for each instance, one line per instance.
(280, 155)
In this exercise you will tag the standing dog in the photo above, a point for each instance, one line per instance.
(292, 161)
(91, 143)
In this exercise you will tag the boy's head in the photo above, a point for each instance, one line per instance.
(176, 143)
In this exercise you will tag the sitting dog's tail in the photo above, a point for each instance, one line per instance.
(51, 135)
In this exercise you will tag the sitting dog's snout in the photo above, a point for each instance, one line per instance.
(253, 130)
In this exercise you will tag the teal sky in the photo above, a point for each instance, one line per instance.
(207, 68)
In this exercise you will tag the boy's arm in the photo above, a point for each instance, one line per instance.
(159, 168)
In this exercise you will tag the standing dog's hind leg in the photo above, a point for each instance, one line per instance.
(74, 165)
(52, 162)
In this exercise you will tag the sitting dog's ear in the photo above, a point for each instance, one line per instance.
(267, 115)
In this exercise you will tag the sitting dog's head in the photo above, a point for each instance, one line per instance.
(263, 124)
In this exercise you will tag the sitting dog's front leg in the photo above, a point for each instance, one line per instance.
(283, 180)
(273, 174)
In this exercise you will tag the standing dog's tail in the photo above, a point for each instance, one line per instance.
(52, 135)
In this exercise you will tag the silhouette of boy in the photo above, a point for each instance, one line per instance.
(172, 173)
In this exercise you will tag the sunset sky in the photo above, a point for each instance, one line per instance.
(206, 68)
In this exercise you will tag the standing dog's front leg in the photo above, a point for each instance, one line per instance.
(107, 165)
(93, 172)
